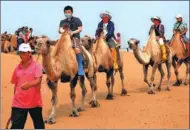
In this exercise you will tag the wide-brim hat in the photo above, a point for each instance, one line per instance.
(156, 18)
(106, 13)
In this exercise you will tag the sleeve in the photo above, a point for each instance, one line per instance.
(110, 32)
(61, 23)
(162, 30)
(38, 71)
(185, 25)
(14, 78)
(150, 29)
(174, 26)
(96, 34)
(78, 22)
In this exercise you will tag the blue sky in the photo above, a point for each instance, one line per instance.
(131, 18)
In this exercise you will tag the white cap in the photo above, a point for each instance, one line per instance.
(179, 16)
(24, 47)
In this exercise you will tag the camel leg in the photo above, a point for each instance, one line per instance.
(151, 91)
(123, 91)
(174, 62)
(162, 76)
(108, 82)
(178, 81)
(54, 100)
(94, 102)
(83, 87)
(6, 50)
(187, 80)
(168, 66)
(145, 70)
(73, 83)
(112, 84)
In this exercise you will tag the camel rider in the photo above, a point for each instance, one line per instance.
(75, 26)
(182, 27)
(159, 31)
(108, 26)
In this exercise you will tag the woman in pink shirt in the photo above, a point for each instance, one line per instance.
(27, 79)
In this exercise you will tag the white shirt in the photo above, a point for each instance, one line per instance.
(105, 28)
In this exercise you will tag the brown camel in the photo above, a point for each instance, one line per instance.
(62, 63)
(180, 55)
(151, 55)
(103, 61)
(6, 44)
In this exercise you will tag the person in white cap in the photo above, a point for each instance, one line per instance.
(27, 78)
(108, 27)
(181, 27)
(159, 30)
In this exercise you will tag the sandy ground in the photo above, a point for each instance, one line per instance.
(136, 110)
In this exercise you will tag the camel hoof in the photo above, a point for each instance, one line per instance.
(50, 121)
(74, 113)
(109, 97)
(177, 83)
(80, 109)
(151, 92)
(94, 103)
(159, 89)
(186, 83)
(154, 85)
(168, 89)
(123, 92)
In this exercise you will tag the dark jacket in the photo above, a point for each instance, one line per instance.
(110, 28)
(158, 30)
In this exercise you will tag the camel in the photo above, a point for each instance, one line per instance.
(103, 61)
(180, 55)
(62, 64)
(151, 55)
(6, 44)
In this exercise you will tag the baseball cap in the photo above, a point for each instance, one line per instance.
(24, 47)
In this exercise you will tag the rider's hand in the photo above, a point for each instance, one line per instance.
(157, 38)
(71, 33)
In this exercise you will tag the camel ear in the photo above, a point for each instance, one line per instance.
(137, 42)
(93, 40)
(48, 42)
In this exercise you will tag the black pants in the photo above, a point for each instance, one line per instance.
(18, 117)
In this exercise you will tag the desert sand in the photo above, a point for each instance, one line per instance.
(136, 110)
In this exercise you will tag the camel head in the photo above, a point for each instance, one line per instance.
(133, 43)
(42, 45)
(177, 34)
(87, 42)
(100, 33)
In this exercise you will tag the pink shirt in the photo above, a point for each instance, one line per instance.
(27, 98)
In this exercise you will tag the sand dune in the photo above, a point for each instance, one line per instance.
(136, 110)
